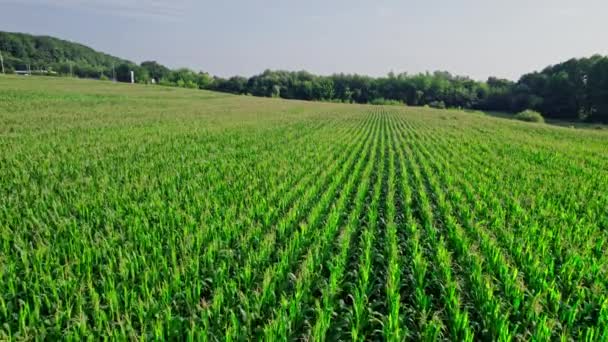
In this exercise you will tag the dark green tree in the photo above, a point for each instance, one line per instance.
(598, 91)
(155, 70)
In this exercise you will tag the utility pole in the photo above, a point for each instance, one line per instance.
(2, 62)
(113, 73)
(71, 72)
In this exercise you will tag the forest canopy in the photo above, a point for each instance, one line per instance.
(573, 90)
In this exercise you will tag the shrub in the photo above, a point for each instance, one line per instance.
(380, 101)
(437, 104)
(166, 82)
(529, 116)
(186, 84)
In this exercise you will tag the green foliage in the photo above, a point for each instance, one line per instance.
(573, 90)
(383, 101)
(142, 75)
(155, 70)
(133, 212)
(437, 104)
(21, 51)
(235, 85)
(123, 72)
(438, 87)
(186, 78)
(529, 116)
(598, 91)
(167, 83)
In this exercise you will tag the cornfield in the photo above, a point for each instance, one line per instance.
(134, 212)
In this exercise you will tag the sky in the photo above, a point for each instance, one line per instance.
(476, 38)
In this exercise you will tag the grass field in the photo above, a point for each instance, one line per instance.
(135, 212)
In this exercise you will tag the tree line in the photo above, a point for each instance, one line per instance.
(24, 52)
(573, 90)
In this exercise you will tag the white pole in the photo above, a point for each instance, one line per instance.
(2, 62)
(132, 77)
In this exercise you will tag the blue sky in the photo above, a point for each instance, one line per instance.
(478, 38)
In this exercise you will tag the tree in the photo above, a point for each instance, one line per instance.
(598, 91)
(142, 75)
(204, 80)
(155, 70)
(323, 89)
(573, 90)
(123, 73)
(235, 85)
(41, 52)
